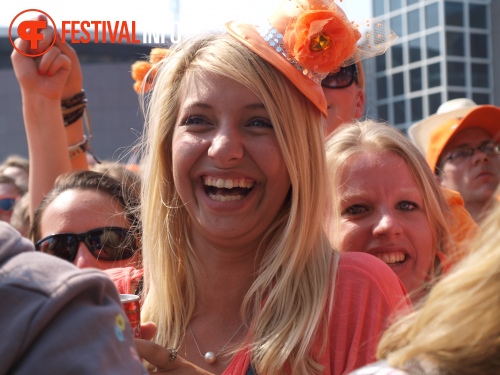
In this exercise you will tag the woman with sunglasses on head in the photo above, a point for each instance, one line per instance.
(89, 219)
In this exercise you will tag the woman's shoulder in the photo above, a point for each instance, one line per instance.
(355, 267)
(366, 277)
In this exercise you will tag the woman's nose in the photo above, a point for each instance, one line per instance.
(227, 146)
(387, 225)
(84, 259)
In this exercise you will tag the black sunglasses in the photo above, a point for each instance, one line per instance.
(107, 243)
(341, 79)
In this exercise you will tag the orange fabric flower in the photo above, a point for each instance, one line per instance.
(157, 54)
(140, 69)
(321, 40)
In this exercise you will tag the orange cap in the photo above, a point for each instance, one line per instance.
(486, 117)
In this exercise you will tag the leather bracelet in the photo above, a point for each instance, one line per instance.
(71, 117)
(74, 100)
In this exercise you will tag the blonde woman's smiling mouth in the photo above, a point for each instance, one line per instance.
(227, 189)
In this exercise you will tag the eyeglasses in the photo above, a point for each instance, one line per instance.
(490, 149)
(107, 243)
(342, 79)
(7, 203)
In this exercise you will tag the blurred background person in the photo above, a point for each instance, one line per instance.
(345, 95)
(462, 149)
(10, 192)
(16, 167)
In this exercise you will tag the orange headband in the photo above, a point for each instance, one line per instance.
(307, 39)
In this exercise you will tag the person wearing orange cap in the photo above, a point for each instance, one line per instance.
(461, 146)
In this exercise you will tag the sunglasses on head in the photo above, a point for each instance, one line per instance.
(341, 79)
(7, 203)
(107, 243)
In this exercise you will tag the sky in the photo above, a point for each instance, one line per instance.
(195, 15)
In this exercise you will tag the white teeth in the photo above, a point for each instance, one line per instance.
(229, 183)
(391, 258)
(225, 198)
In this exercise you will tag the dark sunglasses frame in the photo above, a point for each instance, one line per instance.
(7, 203)
(333, 77)
(65, 245)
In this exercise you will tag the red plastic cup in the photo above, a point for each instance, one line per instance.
(132, 309)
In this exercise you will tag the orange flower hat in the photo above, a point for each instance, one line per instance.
(308, 39)
(147, 70)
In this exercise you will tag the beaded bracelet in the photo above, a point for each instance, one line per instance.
(79, 148)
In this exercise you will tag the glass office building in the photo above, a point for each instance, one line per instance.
(446, 49)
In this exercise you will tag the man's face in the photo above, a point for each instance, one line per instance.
(344, 104)
(475, 177)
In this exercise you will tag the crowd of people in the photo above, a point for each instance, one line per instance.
(267, 229)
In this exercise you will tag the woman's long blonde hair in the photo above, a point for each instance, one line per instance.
(370, 136)
(458, 327)
(294, 276)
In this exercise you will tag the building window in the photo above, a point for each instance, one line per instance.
(456, 95)
(477, 16)
(398, 85)
(479, 45)
(378, 8)
(411, 2)
(456, 73)
(434, 103)
(479, 74)
(416, 79)
(434, 75)
(383, 112)
(394, 4)
(399, 112)
(454, 13)
(381, 88)
(481, 98)
(397, 25)
(431, 16)
(380, 63)
(414, 50)
(397, 55)
(417, 112)
(455, 44)
(432, 42)
(413, 21)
